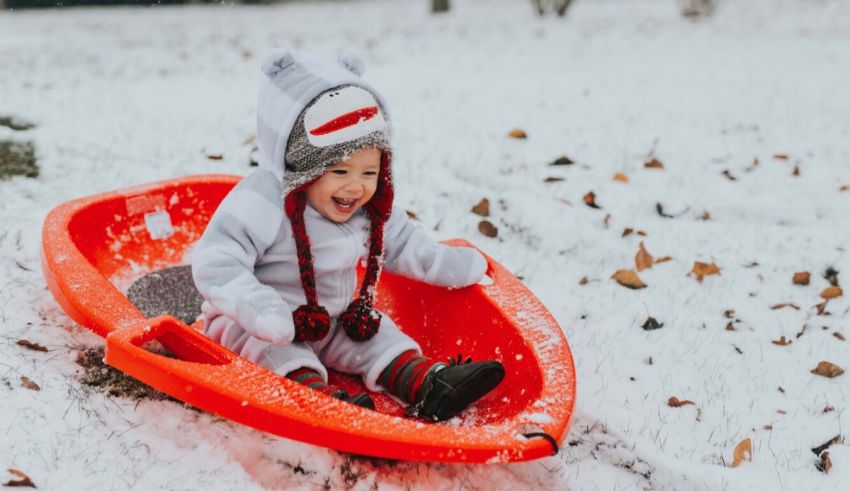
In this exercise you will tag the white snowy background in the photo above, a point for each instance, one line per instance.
(124, 96)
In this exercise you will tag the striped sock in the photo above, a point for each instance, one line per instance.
(404, 375)
(312, 379)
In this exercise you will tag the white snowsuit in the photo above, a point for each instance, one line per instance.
(246, 268)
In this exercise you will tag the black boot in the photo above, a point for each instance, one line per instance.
(362, 399)
(447, 392)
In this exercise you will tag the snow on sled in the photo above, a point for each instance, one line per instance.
(102, 253)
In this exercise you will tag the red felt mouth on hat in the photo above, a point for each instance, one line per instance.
(346, 120)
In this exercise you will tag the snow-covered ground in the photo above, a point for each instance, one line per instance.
(131, 95)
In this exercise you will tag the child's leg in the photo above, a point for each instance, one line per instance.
(404, 376)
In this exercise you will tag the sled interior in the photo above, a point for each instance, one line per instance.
(112, 241)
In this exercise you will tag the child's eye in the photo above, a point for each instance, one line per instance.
(340, 172)
(370, 173)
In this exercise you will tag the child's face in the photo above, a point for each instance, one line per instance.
(346, 185)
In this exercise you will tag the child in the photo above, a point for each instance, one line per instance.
(295, 229)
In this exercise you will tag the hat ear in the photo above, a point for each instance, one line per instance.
(276, 61)
(352, 62)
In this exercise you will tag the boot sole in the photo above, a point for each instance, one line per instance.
(475, 387)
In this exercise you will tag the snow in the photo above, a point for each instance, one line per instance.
(125, 96)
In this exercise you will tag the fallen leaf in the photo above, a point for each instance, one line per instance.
(641, 233)
(487, 228)
(783, 305)
(701, 270)
(518, 133)
(781, 341)
(780, 156)
(411, 215)
(590, 200)
(23, 481)
(844, 188)
(738, 350)
(768, 427)
(729, 175)
(663, 259)
(805, 326)
(742, 450)
(824, 464)
(751, 265)
(831, 292)
(673, 401)
(29, 384)
(653, 164)
(828, 409)
(706, 216)
(839, 336)
(621, 177)
(820, 448)
(629, 279)
(822, 307)
(627, 231)
(643, 259)
(583, 280)
(780, 411)
(780, 389)
(482, 208)
(729, 313)
(827, 369)
(562, 160)
(730, 327)
(831, 275)
(801, 278)
(215, 156)
(660, 209)
(553, 179)
(651, 324)
(33, 346)
(796, 172)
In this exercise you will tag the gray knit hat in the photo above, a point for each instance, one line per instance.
(312, 114)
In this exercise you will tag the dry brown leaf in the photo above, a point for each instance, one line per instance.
(706, 216)
(801, 278)
(621, 177)
(33, 346)
(827, 369)
(23, 480)
(482, 208)
(701, 270)
(641, 233)
(781, 411)
(590, 200)
(553, 179)
(651, 324)
(730, 327)
(768, 427)
(839, 336)
(796, 172)
(411, 215)
(487, 228)
(825, 463)
(518, 133)
(728, 174)
(844, 188)
(629, 279)
(663, 259)
(627, 231)
(780, 389)
(828, 409)
(783, 305)
(214, 156)
(653, 164)
(583, 280)
(781, 341)
(805, 326)
(831, 292)
(780, 156)
(29, 384)
(822, 307)
(563, 160)
(742, 450)
(674, 401)
(643, 259)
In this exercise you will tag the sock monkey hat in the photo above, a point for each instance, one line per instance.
(310, 115)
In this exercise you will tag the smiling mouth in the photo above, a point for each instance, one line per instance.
(345, 204)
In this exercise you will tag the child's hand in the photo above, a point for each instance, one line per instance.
(274, 329)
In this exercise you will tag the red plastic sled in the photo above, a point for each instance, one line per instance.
(94, 247)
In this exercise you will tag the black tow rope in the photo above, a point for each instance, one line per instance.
(547, 437)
